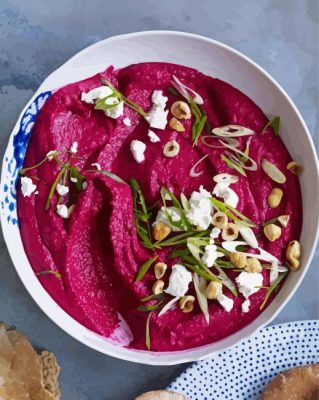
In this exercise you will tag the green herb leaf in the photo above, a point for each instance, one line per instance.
(231, 164)
(102, 105)
(141, 214)
(109, 174)
(49, 272)
(78, 176)
(53, 187)
(200, 120)
(272, 288)
(144, 268)
(147, 333)
(157, 297)
(22, 171)
(183, 223)
(151, 307)
(270, 221)
(232, 213)
(274, 124)
(209, 276)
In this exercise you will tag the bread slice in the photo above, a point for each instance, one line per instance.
(24, 374)
(161, 395)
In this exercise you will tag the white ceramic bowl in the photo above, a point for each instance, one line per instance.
(211, 58)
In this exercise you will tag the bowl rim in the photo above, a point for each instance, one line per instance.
(175, 357)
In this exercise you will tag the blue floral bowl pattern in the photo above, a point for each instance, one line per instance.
(14, 161)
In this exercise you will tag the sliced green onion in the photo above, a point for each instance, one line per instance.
(200, 286)
(272, 288)
(233, 165)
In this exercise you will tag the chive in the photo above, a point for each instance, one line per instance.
(158, 297)
(200, 120)
(76, 174)
(271, 221)
(109, 174)
(151, 307)
(272, 288)
(23, 170)
(141, 215)
(53, 187)
(178, 239)
(144, 268)
(200, 272)
(231, 211)
(233, 165)
(116, 93)
(274, 124)
(49, 272)
(183, 224)
(147, 333)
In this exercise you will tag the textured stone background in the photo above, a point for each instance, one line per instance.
(38, 36)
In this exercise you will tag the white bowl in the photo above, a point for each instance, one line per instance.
(214, 59)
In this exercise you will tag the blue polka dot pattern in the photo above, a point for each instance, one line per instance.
(243, 371)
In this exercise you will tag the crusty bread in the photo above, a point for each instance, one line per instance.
(25, 375)
(300, 383)
(161, 395)
(51, 370)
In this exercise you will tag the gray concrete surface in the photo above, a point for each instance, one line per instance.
(38, 36)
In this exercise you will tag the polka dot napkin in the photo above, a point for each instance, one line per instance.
(243, 371)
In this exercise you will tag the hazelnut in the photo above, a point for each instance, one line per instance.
(176, 125)
(272, 232)
(220, 220)
(181, 110)
(186, 304)
(161, 231)
(231, 232)
(158, 287)
(171, 149)
(293, 253)
(160, 269)
(253, 265)
(283, 220)
(238, 259)
(295, 168)
(213, 289)
(275, 197)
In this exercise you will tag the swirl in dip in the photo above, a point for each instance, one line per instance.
(119, 191)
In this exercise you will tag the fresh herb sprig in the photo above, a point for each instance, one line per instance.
(183, 224)
(142, 215)
(200, 120)
(200, 116)
(232, 213)
(101, 105)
